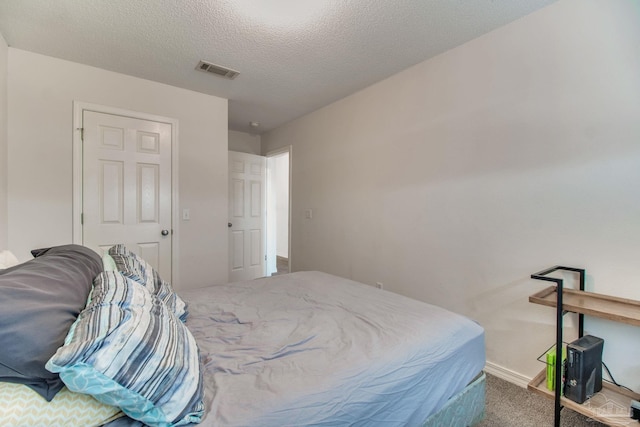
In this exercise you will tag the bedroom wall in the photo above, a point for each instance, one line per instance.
(4, 58)
(454, 180)
(41, 94)
(244, 142)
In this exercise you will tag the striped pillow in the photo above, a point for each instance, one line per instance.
(136, 268)
(119, 249)
(127, 349)
(164, 291)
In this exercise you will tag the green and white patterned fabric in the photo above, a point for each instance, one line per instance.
(108, 264)
(20, 406)
(128, 349)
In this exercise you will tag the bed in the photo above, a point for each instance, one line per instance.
(302, 349)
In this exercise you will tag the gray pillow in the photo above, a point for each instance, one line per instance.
(39, 301)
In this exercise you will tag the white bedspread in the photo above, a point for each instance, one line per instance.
(313, 349)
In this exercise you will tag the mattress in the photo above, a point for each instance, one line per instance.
(314, 349)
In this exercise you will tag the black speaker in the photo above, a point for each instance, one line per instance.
(584, 368)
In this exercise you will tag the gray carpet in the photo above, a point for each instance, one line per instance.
(511, 406)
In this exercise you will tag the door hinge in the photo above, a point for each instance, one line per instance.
(81, 218)
(81, 134)
(265, 257)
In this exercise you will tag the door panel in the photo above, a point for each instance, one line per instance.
(237, 247)
(150, 252)
(148, 193)
(256, 198)
(256, 247)
(111, 192)
(247, 175)
(126, 196)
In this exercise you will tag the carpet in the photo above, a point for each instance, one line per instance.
(509, 405)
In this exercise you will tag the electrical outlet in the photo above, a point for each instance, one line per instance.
(308, 214)
(379, 285)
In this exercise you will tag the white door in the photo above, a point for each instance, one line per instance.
(126, 193)
(246, 216)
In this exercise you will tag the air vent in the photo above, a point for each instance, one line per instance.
(217, 70)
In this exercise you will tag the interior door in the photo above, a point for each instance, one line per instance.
(247, 208)
(126, 194)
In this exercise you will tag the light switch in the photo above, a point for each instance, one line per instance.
(186, 215)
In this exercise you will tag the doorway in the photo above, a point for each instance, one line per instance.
(278, 212)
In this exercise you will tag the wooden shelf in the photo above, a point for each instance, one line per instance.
(603, 306)
(609, 406)
(612, 404)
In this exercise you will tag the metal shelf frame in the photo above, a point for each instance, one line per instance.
(543, 275)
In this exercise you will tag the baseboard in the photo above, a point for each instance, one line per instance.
(507, 374)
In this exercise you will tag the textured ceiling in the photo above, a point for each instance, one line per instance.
(289, 65)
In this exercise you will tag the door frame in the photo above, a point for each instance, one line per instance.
(273, 153)
(77, 164)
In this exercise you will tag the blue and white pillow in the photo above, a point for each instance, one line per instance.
(163, 290)
(127, 349)
(136, 268)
